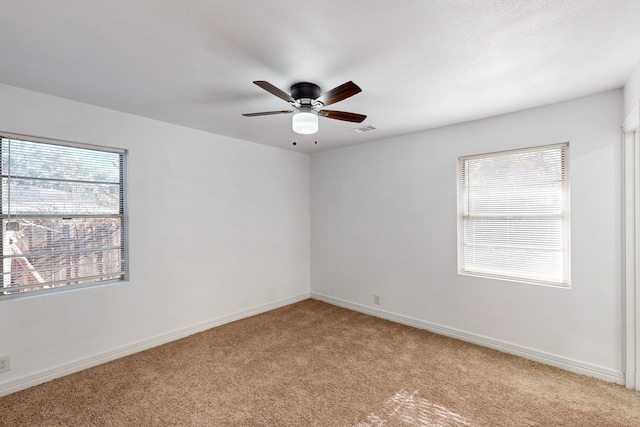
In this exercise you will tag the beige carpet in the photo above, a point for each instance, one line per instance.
(313, 364)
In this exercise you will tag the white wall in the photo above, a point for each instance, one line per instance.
(383, 221)
(219, 229)
(632, 91)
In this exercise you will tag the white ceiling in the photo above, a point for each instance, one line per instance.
(421, 64)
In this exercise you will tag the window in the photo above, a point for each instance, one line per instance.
(62, 209)
(514, 215)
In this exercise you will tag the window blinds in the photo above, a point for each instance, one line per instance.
(62, 215)
(515, 215)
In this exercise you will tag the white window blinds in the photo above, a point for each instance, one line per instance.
(514, 215)
(62, 215)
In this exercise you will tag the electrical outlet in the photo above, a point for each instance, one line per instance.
(4, 364)
(376, 299)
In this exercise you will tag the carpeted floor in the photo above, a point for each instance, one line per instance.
(313, 364)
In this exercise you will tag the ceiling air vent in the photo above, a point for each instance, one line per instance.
(363, 129)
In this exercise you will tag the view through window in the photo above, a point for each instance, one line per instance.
(62, 210)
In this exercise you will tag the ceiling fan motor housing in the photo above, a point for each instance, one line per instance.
(305, 91)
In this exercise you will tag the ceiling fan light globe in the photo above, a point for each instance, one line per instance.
(305, 123)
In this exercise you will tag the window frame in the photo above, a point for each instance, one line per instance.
(466, 271)
(124, 233)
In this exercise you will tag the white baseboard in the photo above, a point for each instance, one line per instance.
(565, 363)
(82, 364)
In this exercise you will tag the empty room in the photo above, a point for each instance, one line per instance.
(327, 213)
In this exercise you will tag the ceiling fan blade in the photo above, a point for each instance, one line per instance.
(342, 115)
(339, 93)
(267, 113)
(274, 90)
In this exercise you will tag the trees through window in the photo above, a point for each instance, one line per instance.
(62, 209)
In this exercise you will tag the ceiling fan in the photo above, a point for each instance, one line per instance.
(307, 104)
